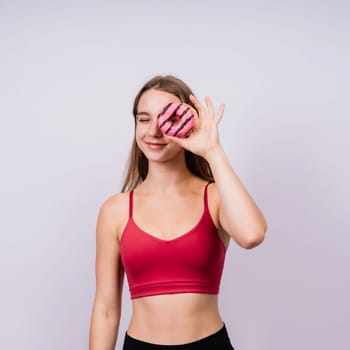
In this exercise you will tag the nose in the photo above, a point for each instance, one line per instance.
(154, 128)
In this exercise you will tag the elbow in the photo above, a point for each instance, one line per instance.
(255, 239)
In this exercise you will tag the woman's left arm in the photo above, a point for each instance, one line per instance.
(239, 216)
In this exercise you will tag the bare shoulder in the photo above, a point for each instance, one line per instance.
(115, 210)
(115, 201)
(213, 196)
(214, 208)
(213, 202)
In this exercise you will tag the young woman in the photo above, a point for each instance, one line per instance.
(169, 230)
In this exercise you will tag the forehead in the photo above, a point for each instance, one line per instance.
(153, 100)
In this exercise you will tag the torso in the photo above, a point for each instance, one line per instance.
(182, 317)
(174, 318)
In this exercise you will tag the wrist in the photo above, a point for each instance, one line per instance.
(213, 153)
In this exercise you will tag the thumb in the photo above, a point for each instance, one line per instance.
(178, 140)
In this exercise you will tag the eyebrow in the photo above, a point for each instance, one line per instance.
(143, 113)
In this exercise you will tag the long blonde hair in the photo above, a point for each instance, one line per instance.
(137, 168)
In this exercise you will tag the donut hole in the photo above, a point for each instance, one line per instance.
(174, 120)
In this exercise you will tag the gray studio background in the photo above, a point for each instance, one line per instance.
(69, 71)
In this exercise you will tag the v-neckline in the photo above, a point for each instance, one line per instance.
(183, 235)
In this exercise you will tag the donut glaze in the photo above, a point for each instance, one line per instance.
(176, 119)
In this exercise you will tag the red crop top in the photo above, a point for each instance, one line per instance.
(192, 262)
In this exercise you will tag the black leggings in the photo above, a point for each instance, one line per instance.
(219, 340)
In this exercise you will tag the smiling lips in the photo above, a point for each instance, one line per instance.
(155, 144)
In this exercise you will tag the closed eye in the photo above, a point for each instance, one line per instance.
(143, 117)
(143, 120)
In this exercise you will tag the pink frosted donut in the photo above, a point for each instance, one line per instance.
(176, 119)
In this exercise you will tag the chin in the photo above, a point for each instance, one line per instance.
(160, 156)
(158, 159)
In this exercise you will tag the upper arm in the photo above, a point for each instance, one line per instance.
(242, 231)
(109, 269)
(214, 208)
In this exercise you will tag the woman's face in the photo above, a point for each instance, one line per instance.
(154, 145)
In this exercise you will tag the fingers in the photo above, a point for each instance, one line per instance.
(210, 108)
(196, 104)
(194, 100)
(177, 140)
(220, 112)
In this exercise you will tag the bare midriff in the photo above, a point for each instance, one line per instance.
(172, 319)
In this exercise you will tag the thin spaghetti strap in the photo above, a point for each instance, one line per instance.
(131, 193)
(206, 195)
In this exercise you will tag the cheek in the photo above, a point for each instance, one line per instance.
(137, 135)
(139, 144)
(140, 131)
(175, 148)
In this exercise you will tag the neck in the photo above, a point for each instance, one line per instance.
(167, 176)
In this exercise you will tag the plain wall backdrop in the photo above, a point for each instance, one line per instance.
(69, 71)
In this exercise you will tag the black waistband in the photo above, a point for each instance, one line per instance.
(218, 340)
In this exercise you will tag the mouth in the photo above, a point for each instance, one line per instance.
(155, 145)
